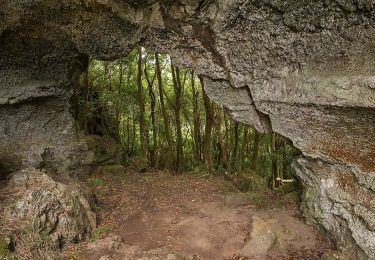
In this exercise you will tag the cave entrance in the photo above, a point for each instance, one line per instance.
(175, 175)
(161, 114)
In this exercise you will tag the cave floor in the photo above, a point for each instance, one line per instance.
(157, 215)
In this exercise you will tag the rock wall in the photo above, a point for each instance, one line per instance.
(304, 69)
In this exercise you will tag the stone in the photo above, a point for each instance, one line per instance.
(303, 69)
(171, 257)
(336, 201)
(262, 238)
(105, 257)
(106, 151)
(237, 199)
(334, 255)
(238, 101)
(115, 243)
(6, 244)
(56, 213)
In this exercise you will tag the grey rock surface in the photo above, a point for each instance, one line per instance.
(52, 213)
(335, 200)
(304, 69)
(261, 240)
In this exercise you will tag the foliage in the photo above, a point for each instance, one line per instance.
(145, 100)
(101, 231)
(94, 182)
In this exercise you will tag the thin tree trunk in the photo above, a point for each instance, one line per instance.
(282, 158)
(206, 148)
(142, 130)
(118, 115)
(128, 135)
(134, 132)
(196, 121)
(255, 151)
(85, 96)
(244, 146)
(227, 138)
(275, 161)
(76, 103)
(151, 93)
(223, 160)
(177, 107)
(235, 147)
(164, 113)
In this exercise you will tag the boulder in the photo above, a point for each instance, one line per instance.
(262, 238)
(106, 150)
(53, 214)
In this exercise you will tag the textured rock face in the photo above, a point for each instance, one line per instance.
(341, 201)
(303, 69)
(48, 214)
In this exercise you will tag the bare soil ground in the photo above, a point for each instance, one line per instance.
(162, 216)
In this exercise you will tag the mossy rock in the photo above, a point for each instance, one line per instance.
(116, 168)
(106, 150)
(289, 188)
(5, 246)
(200, 168)
(258, 197)
(237, 199)
(293, 196)
(143, 165)
(248, 182)
(227, 187)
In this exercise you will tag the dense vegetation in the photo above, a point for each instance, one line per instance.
(161, 114)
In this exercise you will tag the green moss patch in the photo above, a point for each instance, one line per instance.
(5, 246)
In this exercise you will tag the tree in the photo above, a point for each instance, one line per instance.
(178, 89)
(142, 130)
(244, 147)
(223, 156)
(235, 147)
(150, 84)
(196, 120)
(164, 113)
(110, 100)
(275, 142)
(85, 95)
(255, 150)
(206, 146)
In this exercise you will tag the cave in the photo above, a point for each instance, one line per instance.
(303, 70)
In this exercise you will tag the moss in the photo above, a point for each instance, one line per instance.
(248, 182)
(258, 197)
(293, 196)
(94, 182)
(5, 245)
(289, 187)
(90, 141)
(101, 231)
(142, 165)
(106, 150)
(184, 209)
(227, 187)
(279, 205)
(112, 168)
(96, 208)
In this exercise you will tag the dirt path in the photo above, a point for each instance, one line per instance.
(159, 216)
